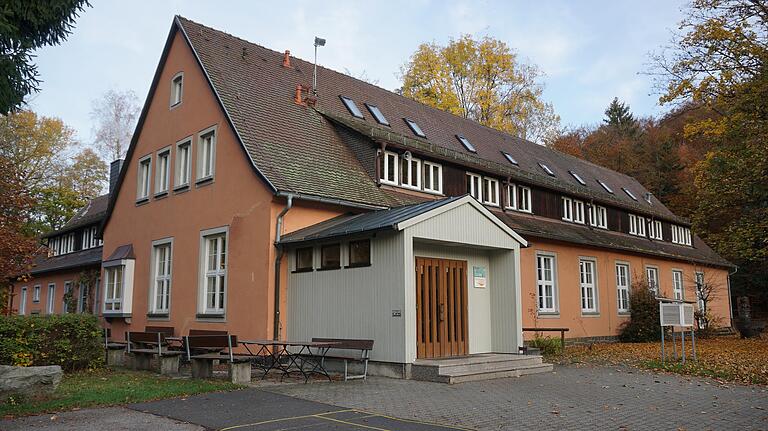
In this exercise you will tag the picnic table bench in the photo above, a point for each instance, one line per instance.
(142, 347)
(202, 363)
(356, 350)
(562, 332)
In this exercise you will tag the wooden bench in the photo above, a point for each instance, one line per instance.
(362, 347)
(202, 363)
(144, 346)
(114, 350)
(562, 332)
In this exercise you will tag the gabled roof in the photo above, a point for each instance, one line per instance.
(92, 213)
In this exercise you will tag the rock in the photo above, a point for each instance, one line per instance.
(30, 381)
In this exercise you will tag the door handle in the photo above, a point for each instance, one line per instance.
(442, 312)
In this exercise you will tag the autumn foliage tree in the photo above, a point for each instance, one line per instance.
(483, 80)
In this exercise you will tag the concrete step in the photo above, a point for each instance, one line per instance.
(489, 366)
(477, 367)
(522, 371)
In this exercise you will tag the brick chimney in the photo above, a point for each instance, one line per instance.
(287, 58)
(114, 173)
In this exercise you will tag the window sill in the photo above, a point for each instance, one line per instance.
(210, 316)
(161, 195)
(115, 315)
(298, 271)
(142, 201)
(331, 268)
(625, 314)
(200, 182)
(590, 314)
(548, 314)
(159, 316)
(358, 265)
(181, 189)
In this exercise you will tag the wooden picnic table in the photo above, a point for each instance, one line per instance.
(287, 361)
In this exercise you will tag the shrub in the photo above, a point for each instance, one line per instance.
(547, 345)
(72, 341)
(643, 324)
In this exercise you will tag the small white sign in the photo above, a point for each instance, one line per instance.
(480, 277)
(676, 314)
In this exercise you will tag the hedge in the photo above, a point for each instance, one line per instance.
(72, 341)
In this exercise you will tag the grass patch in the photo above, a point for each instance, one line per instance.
(110, 387)
(728, 359)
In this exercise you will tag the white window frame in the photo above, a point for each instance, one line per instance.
(165, 279)
(144, 178)
(490, 191)
(114, 288)
(206, 157)
(67, 289)
(578, 211)
(678, 288)
(163, 171)
(204, 272)
(407, 175)
(177, 91)
(50, 302)
(588, 284)
(475, 188)
(435, 173)
(542, 296)
(36, 293)
(82, 296)
(653, 282)
(87, 238)
(699, 281)
(390, 158)
(525, 199)
(511, 197)
(654, 229)
(623, 283)
(598, 216)
(23, 301)
(640, 226)
(567, 209)
(183, 166)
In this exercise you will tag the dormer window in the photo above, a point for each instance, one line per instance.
(546, 169)
(509, 158)
(475, 186)
(351, 106)
(573, 210)
(465, 142)
(629, 193)
(377, 114)
(636, 225)
(578, 178)
(177, 87)
(389, 171)
(410, 171)
(605, 186)
(415, 128)
(490, 191)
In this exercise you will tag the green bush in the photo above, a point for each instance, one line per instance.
(547, 345)
(70, 340)
(643, 325)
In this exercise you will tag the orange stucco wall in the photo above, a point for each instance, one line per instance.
(607, 321)
(59, 279)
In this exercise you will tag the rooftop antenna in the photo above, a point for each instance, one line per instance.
(319, 41)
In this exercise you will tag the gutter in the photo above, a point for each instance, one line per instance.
(278, 259)
(331, 201)
(730, 298)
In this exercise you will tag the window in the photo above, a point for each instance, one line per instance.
(163, 171)
(605, 186)
(525, 199)
(377, 114)
(304, 259)
(330, 256)
(545, 276)
(82, 301)
(433, 177)
(475, 186)
(183, 160)
(36, 294)
(161, 273)
(677, 284)
(578, 211)
(410, 172)
(587, 283)
(654, 229)
(206, 155)
(351, 107)
(465, 142)
(177, 87)
(23, 302)
(598, 216)
(360, 253)
(51, 300)
(636, 225)
(89, 239)
(578, 178)
(699, 290)
(567, 209)
(681, 235)
(622, 287)
(145, 169)
(652, 275)
(113, 288)
(510, 158)
(66, 299)
(629, 193)
(214, 271)
(511, 196)
(546, 169)
(490, 191)
(415, 128)
(389, 171)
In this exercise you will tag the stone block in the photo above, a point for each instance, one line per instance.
(29, 381)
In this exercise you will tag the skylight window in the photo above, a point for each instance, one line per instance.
(351, 106)
(415, 128)
(578, 178)
(630, 194)
(510, 158)
(465, 142)
(376, 112)
(605, 186)
(546, 169)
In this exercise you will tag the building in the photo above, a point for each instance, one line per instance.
(250, 202)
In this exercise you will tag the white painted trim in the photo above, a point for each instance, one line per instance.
(152, 271)
(213, 131)
(202, 258)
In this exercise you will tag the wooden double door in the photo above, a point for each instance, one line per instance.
(441, 307)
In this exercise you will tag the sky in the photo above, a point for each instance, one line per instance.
(589, 51)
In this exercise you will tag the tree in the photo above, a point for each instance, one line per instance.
(619, 117)
(481, 80)
(114, 117)
(24, 27)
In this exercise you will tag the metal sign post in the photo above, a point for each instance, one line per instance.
(676, 313)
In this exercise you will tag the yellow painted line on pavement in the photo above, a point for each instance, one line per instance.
(413, 421)
(317, 415)
(355, 424)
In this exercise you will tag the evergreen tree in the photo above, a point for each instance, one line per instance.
(619, 117)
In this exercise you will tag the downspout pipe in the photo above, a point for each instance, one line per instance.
(278, 260)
